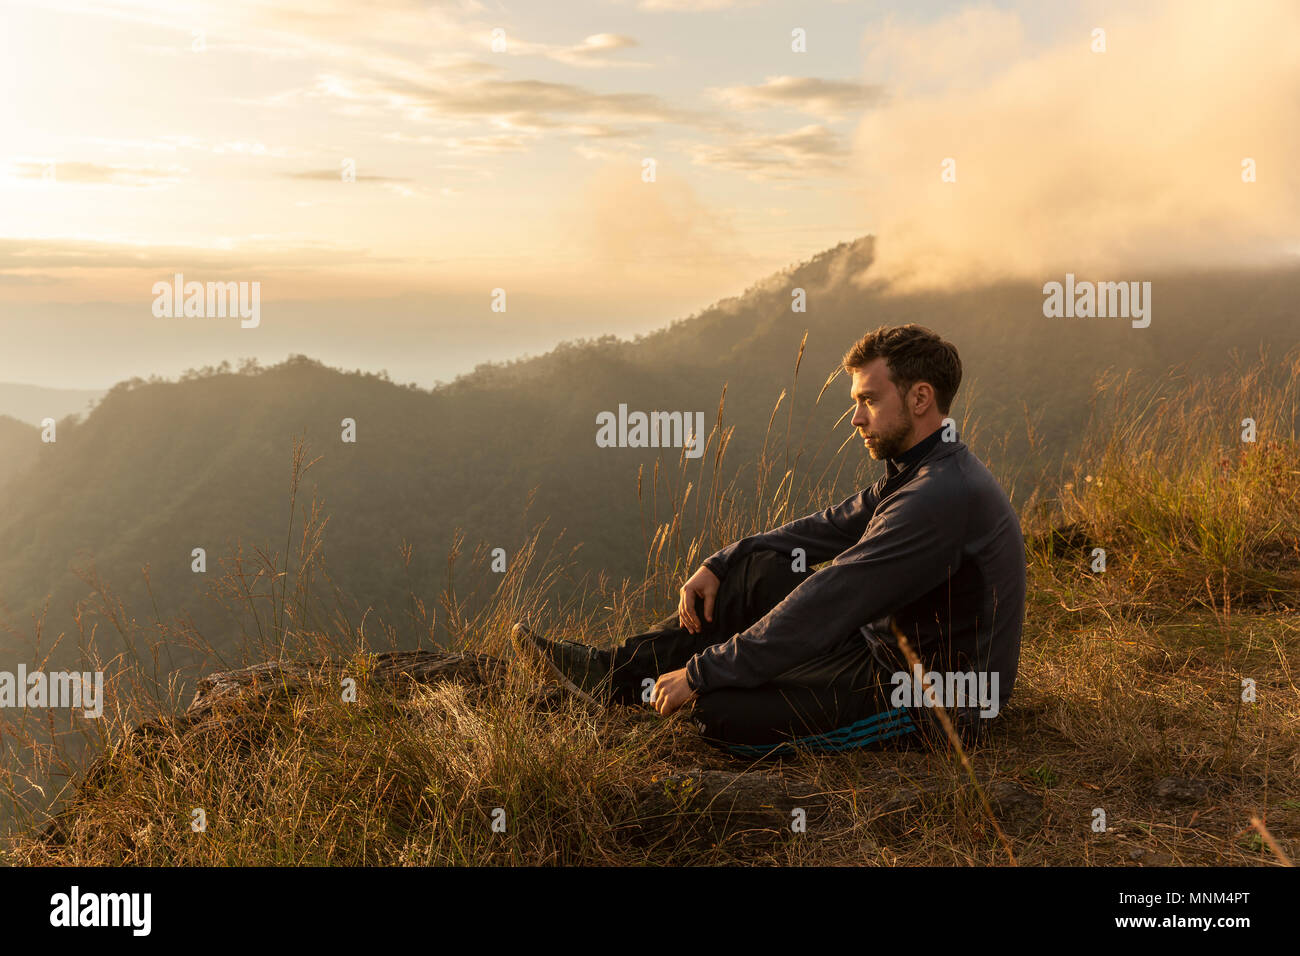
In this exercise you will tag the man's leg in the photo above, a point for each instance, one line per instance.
(756, 584)
(836, 702)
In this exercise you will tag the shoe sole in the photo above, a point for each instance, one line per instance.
(521, 638)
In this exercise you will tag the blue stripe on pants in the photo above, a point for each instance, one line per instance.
(882, 726)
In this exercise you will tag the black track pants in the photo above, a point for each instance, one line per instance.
(839, 701)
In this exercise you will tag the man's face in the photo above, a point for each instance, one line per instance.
(879, 415)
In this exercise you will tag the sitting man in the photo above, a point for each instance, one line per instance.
(772, 656)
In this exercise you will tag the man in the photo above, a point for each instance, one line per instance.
(772, 656)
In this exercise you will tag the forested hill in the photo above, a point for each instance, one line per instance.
(18, 444)
(159, 468)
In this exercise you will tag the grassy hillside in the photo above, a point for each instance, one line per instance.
(1129, 701)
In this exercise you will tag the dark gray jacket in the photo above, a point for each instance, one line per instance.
(934, 543)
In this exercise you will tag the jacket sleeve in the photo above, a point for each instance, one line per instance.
(910, 547)
(822, 535)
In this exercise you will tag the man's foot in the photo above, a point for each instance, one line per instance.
(581, 669)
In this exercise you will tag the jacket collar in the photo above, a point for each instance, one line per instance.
(922, 449)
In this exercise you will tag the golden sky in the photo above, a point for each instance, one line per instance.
(147, 137)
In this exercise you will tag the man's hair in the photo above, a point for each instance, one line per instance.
(912, 353)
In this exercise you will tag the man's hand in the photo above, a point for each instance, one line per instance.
(671, 692)
(703, 583)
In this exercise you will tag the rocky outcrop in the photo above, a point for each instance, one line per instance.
(393, 668)
(1177, 793)
(714, 806)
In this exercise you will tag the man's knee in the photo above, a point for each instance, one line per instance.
(715, 717)
(767, 561)
(767, 577)
(734, 718)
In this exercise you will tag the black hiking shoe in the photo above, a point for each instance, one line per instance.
(581, 669)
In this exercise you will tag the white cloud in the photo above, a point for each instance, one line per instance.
(828, 99)
(1072, 160)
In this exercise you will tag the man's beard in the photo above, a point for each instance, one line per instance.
(889, 444)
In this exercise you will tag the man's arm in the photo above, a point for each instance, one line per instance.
(822, 535)
(909, 548)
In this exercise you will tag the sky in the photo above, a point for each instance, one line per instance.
(496, 145)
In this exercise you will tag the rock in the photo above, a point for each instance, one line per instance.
(262, 681)
(259, 683)
(896, 813)
(1173, 793)
(1149, 857)
(1018, 811)
(712, 806)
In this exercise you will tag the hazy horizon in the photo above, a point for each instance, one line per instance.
(396, 352)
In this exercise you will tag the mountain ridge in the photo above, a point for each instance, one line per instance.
(161, 467)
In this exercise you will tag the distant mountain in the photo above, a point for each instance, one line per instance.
(160, 468)
(32, 403)
(18, 447)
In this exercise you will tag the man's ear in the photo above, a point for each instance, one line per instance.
(924, 397)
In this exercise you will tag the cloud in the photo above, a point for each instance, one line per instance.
(625, 231)
(1108, 164)
(829, 99)
(694, 6)
(22, 256)
(174, 142)
(792, 155)
(593, 51)
(967, 45)
(335, 175)
(97, 174)
(511, 105)
(603, 42)
(416, 62)
(489, 144)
